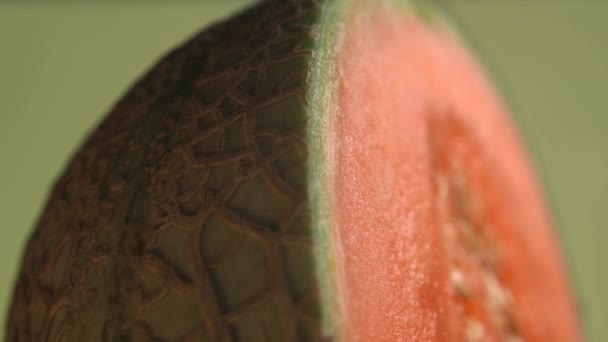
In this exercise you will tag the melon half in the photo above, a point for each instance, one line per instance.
(307, 170)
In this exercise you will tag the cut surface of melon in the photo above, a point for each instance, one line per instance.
(440, 233)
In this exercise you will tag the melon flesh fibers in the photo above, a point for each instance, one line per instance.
(307, 170)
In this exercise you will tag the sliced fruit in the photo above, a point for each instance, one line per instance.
(307, 170)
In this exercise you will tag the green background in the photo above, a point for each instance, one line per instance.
(63, 65)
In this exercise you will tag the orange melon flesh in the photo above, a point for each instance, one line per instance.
(439, 230)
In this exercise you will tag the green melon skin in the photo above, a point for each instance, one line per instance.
(185, 215)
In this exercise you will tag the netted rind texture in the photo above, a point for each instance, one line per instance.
(185, 216)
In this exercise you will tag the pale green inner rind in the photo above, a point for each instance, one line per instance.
(322, 100)
(323, 107)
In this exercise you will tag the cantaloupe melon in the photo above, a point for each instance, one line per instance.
(308, 170)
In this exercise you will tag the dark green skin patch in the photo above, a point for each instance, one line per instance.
(185, 215)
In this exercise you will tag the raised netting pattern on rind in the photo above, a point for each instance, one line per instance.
(184, 216)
